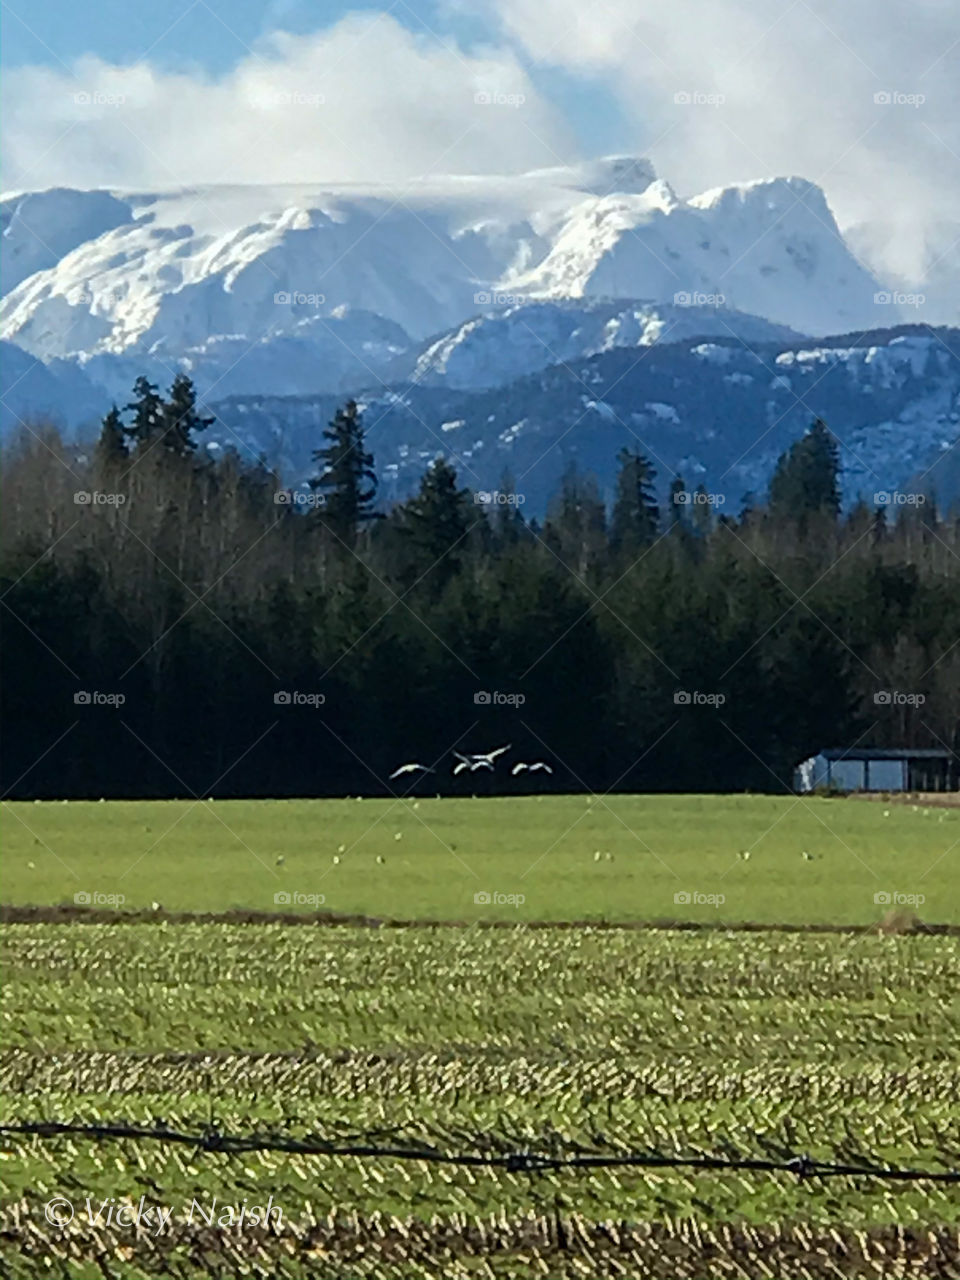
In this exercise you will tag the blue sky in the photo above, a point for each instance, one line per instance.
(861, 98)
(209, 37)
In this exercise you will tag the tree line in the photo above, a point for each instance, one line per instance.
(177, 621)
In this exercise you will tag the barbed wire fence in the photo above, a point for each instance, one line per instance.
(521, 1160)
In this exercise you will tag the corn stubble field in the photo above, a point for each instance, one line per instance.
(763, 1044)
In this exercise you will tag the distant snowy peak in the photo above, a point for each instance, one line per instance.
(626, 174)
(134, 275)
(769, 248)
(38, 228)
(492, 349)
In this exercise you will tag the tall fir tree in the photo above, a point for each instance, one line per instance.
(347, 478)
(806, 480)
(111, 449)
(636, 516)
(435, 522)
(181, 418)
(148, 413)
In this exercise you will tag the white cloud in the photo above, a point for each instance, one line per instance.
(365, 100)
(798, 79)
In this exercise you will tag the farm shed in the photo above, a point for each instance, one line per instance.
(879, 769)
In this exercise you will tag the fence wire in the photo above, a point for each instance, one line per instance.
(211, 1139)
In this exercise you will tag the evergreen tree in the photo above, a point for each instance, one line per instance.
(806, 479)
(148, 413)
(436, 521)
(576, 525)
(636, 516)
(347, 478)
(180, 417)
(111, 447)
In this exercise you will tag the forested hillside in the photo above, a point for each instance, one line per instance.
(184, 594)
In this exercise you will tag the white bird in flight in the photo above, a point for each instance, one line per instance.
(413, 767)
(472, 765)
(482, 758)
(537, 766)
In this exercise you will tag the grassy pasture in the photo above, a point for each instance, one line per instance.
(568, 857)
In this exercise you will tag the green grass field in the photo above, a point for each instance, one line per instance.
(841, 1046)
(764, 1044)
(568, 857)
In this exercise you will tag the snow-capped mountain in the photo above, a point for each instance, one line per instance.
(770, 248)
(716, 412)
(106, 274)
(494, 348)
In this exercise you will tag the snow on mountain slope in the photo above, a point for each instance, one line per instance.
(38, 228)
(714, 412)
(493, 349)
(167, 272)
(770, 248)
